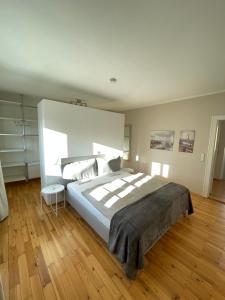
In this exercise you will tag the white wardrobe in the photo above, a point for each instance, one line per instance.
(3, 198)
(67, 130)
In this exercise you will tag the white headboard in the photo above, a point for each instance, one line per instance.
(68, 160)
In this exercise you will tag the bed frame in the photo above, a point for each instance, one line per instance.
(90, 218)
(68, 160)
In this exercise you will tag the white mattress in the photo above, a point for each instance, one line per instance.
(92, 215)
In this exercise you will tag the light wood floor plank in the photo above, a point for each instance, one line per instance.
(4, 279)
(25, 285)
(47, 257)
(49, 292)
(37, 291)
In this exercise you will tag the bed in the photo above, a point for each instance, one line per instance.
(130, 212)
(92, 215)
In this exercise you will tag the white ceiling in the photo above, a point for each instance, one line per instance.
(159, 50)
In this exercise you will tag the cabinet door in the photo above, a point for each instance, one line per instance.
(3, 198)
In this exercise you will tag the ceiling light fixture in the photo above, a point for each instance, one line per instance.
(113, 80)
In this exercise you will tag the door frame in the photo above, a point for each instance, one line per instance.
(211, 154)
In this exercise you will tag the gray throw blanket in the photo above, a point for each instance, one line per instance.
(135, 228)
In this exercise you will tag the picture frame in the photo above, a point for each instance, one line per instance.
(162, 139)
(186, 141)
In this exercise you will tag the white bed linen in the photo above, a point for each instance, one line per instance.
(79, 198)
(83, 185)
(92, 215)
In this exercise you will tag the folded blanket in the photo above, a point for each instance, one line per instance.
(135, 228)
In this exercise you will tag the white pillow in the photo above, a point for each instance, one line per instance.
(103, 167)
(79, 170)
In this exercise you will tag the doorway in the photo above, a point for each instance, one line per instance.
(218, 184)
(214, 181)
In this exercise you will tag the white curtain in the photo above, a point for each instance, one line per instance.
(4, 210)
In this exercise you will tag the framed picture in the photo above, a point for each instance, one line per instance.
(162, 139)
(186, 142)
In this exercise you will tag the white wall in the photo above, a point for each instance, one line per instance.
(220, 159)
(184, 168)
(67, 130)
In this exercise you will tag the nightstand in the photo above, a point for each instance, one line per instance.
(128, 170)
(52, 191)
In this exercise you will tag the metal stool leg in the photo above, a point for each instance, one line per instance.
(51, 200)
(56, 211)
(41, 201)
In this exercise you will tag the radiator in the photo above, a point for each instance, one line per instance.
(33, 170)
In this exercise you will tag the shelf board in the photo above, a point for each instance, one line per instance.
(17, 134)
(14, 178)
(33, 162)
(19, 119)
(19, 164)
(30, 120)
(13, 164)
(17, 103)
(11, 134)
(10, 102)
(11, 150)
(11, 119)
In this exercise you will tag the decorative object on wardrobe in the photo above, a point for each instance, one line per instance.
(79, 102)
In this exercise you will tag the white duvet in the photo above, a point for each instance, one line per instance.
(110, 193)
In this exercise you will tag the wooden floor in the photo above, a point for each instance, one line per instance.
(218, 190)
(48, 257)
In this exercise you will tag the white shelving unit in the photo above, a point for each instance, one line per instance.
(18, 139)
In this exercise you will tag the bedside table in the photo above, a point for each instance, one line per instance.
(128, 170)
(52, 191)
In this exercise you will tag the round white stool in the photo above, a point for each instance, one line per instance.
(50, 190)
